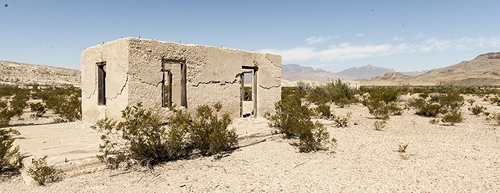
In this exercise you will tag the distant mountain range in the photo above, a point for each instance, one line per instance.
(482, 70)
(295, 72)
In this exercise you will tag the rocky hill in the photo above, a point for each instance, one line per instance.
(482, 70)
(25, 74)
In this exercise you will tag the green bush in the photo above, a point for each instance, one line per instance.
(142, 138)
(425, 108)
(478, 109)
(38, 108)
(381, 103)
(452, 117)
(8, 153)
(43, 173)
(290, 116)
(209, 133)
(5, 114)
(337, 92)
(293, 120)
(65, 101)
(18, 102)
(323, 111)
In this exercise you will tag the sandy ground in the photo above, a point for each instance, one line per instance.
(439, 158)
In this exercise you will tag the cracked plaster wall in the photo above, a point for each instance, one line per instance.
(212, 76)
(115, 55)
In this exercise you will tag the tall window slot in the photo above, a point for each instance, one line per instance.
(174, 83)
(101, 83)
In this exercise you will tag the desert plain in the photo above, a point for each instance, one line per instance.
(439, 158)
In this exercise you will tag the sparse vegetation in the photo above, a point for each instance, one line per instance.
(382, 103)
(8, 153)
(143, 139)
(478, 109)
(293, 120)
(42, 173)
(402, 148)
(379, 125)
(337, 92)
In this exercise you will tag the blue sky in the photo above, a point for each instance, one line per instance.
(332, 35)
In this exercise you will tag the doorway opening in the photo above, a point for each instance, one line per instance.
(248, 92)
(174, 91)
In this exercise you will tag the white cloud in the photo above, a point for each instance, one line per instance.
(360, 35)
(315, 40)
(397, 39)
(347, 51)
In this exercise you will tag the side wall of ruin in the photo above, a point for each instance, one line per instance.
(212, 75)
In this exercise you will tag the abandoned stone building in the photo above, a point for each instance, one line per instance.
(164, 74)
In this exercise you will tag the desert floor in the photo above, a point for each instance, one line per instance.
(439, 158)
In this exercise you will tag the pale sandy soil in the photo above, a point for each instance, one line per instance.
(440, 158)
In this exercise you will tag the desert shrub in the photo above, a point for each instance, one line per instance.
(303, 87)
(402, 148)
(290, 116)
(6, 114)
(434, 121)
(288, 91)
(209, 133)
(293, 120)
(38, 108)
(379, 125)
(381, 103)
(340, 121)
(340, 92)
(42, 173)
(471, 101)
(478, 109)
(452, 117)
(142, 138)
(318, 95)
(337, 92)
(313, 138)
(495, 100)
(425, 108)
(497, 118)
(18, 102)
(65, 101)
(323, 111)
(247, 93)
(8, 153)
(451, 101)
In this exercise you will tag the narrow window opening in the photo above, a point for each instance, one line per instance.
(101, 83)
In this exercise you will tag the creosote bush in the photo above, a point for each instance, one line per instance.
(8, 153)
(42, 173)
(337, 92)
(142, 138)
(293, 120)
(477, 109)
(382, 103)
(38, 108)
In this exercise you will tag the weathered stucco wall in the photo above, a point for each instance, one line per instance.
(115, 54)
(212, 75)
